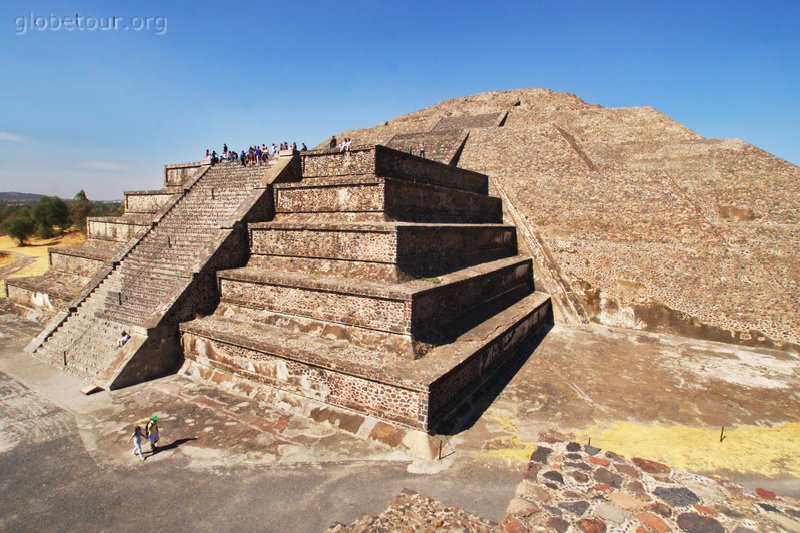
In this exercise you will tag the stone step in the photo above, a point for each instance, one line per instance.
(386, 162)
(420, 308)
(417, 393)
(386, 251)
(375, 198)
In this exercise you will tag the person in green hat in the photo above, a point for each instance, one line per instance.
(151, 430)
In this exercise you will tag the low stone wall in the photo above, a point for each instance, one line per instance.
(394, 164)
(451, 389)
(423, 203)
(35, 300)
(386, 401)
(82, 266)
(145, 201)
(179, 173)
(330, 197)
(111, 229)
(367, 243)
(389, 252)
(447, 304)
(328, 164)
(352, 309)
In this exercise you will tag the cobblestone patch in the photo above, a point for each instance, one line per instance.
(567, 486)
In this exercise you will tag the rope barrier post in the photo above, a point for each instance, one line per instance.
(722, 434)
(119, 298)
(64, 354)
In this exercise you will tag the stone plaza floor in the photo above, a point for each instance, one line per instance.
(228, 463)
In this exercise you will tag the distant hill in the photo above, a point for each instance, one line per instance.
(19, 197)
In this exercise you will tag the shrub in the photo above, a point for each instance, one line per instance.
(18, 228)
(48, 212)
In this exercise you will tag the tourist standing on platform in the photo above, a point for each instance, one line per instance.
(225, 150)
(303, 147)
(136, 437)
(422, 150)
(333, 143)
(258, 155)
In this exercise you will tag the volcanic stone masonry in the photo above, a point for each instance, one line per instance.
(386, 284)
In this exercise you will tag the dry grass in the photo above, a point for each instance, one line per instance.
(36, 248)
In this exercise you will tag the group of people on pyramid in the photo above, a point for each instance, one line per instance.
(254, 155)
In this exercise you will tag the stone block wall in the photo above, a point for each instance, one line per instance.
(180, 173)
(390, 402)
(331, 196)
(441, 146)
(145, 201)
(82, 266)
(455, 386)
(329, 164)
(394, 164)
(353, 309)
(112, 229)
(420, 203)
(32, 299)
(378, 252)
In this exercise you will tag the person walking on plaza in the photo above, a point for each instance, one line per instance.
(151, 431)
(136, 437)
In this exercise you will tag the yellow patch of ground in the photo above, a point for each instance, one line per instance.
(511, 447)
(6, 259)
(770, 451)
(766, 450)
(37, 248)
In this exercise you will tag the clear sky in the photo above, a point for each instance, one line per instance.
(102, 107)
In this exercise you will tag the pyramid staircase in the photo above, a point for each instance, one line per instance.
(75, 269)
(386, 284)
(166, 276)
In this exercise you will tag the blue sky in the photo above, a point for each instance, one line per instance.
(104, 110)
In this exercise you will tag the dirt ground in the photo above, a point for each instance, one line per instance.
(228, 463)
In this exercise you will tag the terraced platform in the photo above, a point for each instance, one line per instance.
(386, 285)
(164, 276)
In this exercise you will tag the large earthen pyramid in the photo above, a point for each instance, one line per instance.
(633, 220)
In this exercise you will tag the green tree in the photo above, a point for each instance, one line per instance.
(48, 212)
(18, 227)
(79, 209)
